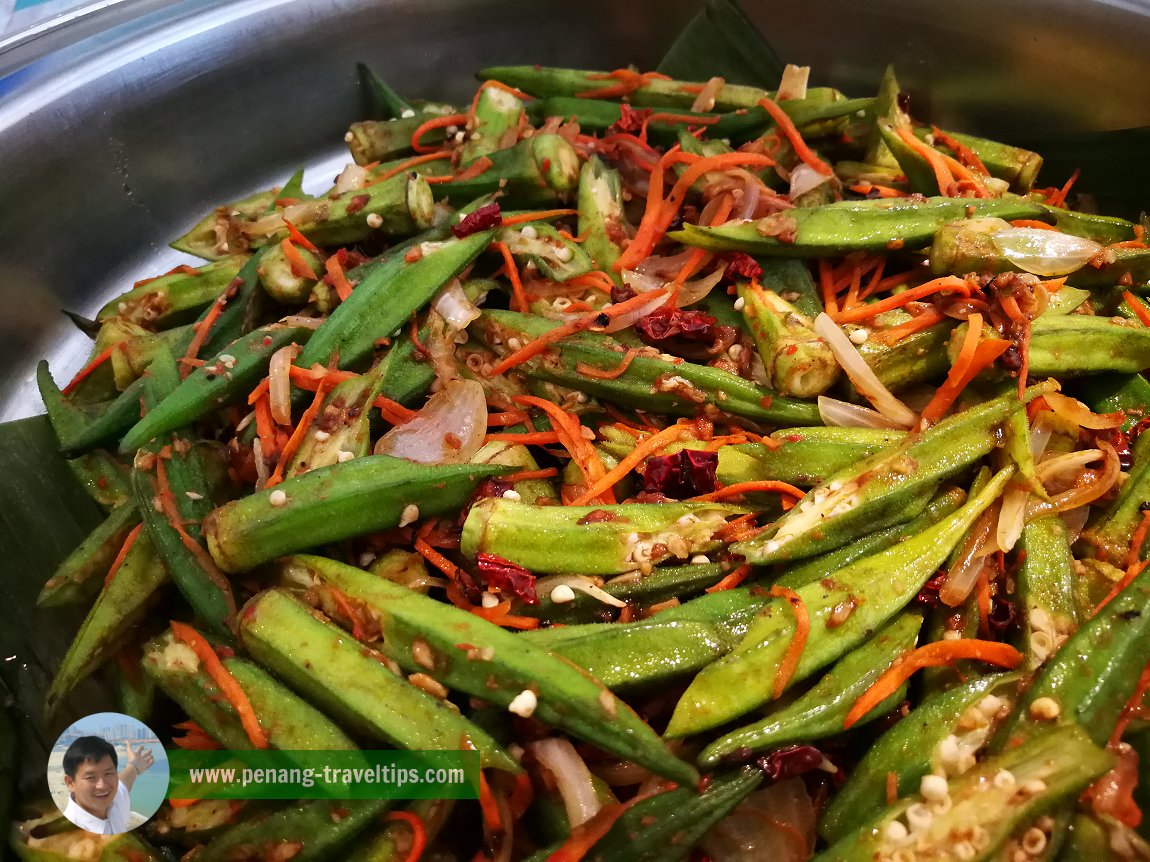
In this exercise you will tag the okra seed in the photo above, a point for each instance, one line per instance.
(740, 303)
(919, 817)
(990, 705)
(529, 232)
(933, 787)
(451, 130)
(951, 635)
(772, 546)
(458, 137)
(562, 594)
(895, 831)
(277, 498)
(344, 456)
(348, 138)
(964, 850)
(374, 220)
(980, 838)
(409, 515)
(859, 336)
(1034, 787)
(407, 113)
(523, 704)
(1003, 779)
(514, 343)
(735, 351)
(192, 495)
(322, 436)
(700, 560)
(1033, 841)
(563, 254)
(490, 600)
(1045, 709)
(366, 559)
(511, 494)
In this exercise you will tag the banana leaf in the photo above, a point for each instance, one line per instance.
(45, 514)
(721, 40)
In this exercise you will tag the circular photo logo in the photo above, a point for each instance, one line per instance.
(108, 773)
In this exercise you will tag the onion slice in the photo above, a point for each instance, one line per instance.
(582, 583)
(1073, 410)
(843, 414)
(449, 429)
(1044, 252)
(861, 375)
(794, 82)
(452, 305)
(964, 573)
(623, 321)
(572, 778)
(279, 384)
(705, 101)
(804, 178)
(1012, 517)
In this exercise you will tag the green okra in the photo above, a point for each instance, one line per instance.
(308, 832)
(385, 299)
(72, 843)
(820, 711)
(1104, 229)
(394, 841)
(1056, 346)
(333, 503)
(791, 280)
(537, 491)
(381, 140)
(822, 113)
(598, 115)
(601, 219)
(223, 380)
(283, 281)
(799, 362)
(1016, 165)
(1066, 300)
(806, 456)
(1129, 393)
(1108, 537)
(1045, 579)
(617, 539)
(666, 827)
(135, 691)
(472, 655)
(289, 722)
(918, 171)
(825, 565)
(120, 605)
(869, 592)
(497, 113)
(133, 356)
(77, 579)
(169, 299)
(343, 424)
(203, 241)
(1087, 840)
(556, 258)
(1061, 762)
(915, 358)
(352, 683)
(840, 228)
(384, 102)
(1091, 677)
(885, 107)
(538, 170)
(868, 494)
(911, 749)
(655, 384)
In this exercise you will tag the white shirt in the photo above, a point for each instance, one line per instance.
(118, 814)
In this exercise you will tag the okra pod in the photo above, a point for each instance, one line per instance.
(164, 301)
(465, 652)
(556, 258)
(885, 107)
(1056, 346)
(538, 170)
(352, 683)
(870, 591)
(395, 841)
(840, 228)
(497, 113)
(916, 358)
(1129, 393)
(1045, 580)
(1016, 165)
(1109, 536)
(205, 241)
(601, 221)
(284, 280)
(821, 710)
(799, 362)
(806, 456)
(380, 140)
(336, 502)
(791, 280)
(77, 580)
(1087, 840)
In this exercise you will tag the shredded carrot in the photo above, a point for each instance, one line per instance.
(933, 157)
(525, 475)
(965, 154)
(1133, 708)
(1034, 223)
(298, 266)
(647, 234)
(531, 438)
(435, 123)
(127, 546)
(501, 615)
(596, 279)
(974, 356)
(827, 286)
(418, 832)
(587, 834)
(201, 329)
(410, 163)
(339, 281)
(433, 556)
(266, 428)
(510, 417)
(737, 530)
(931, 655)
(759, 486)
(473, 170)
(787, 127)
(227, 683)
(798, 642)
(513, 276)
(541, 215)
(891, 788)
(100, 358)
(679, 119)
(491, 819)
(1138, 307)
(570, 432)
(1058, 199)
(182, 268)
(629, 82)
(260, 391)
(642, 450)
(1134, 564)
(883, 191)
(916, 324)
(868, 310)
(608, 373)
(730, 581)
(297, 436)
(296, 236)
(536, 346)
(312, 378)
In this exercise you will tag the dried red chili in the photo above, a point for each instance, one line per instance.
(485, 217)
(741, 267)
(687, 473)
(664, 323)
(508, 577)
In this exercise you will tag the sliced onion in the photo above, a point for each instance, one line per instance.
(262, 474)
(697, 289)
(1039, 436)
(804, 178)
(572, 778)
(642, 282)
(861, 375)
(1060, 472)
(794, 82)
(1011, 518)
(705, 101)
(752, 192)
(1075, 411)
(666, 266)
(279, 384)
(843, 414)
(990, 224)
(351, 178)
(452, 305)
(627, 319)
(1044, 252)
(964, 573)
(1093, 484)
(582, 583)
(1075, 520)
(449, 429)
(777, 823)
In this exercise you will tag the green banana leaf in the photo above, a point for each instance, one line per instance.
(721, 40)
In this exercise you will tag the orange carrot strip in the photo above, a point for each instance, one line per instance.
(883, 191)
(491, 819)
(630, 81)
(587, 834)
(1034, 223)
(1133, 708)
(265, 428)
(974, 356)
(410, 163)
(298, 238)
(571, 436)
(1134, 564)
(202, 328)
(435, 123)
(787, 127)
(510, 417)
(642, 450)
(523, 476)
(730, 581)
(871, 309)
(513, 276)
(827, 285)
(1138, 307)
(608, 374)
(418, 832)
(296, 439)
(501, 616)
(532, 438)
(259, 392)
(942, 174)
(227, 683)
(795, 649)
(763, 485)
(541, 215)
(965, 154)
(100, 358)
(930, 655)
(296, 263)
(127, 546)
(1059, 198)
(473, 170)
(916, 324)
(339, 281)
(183, 267)
(646, 235)
(1131, 573)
